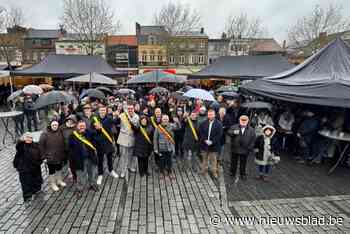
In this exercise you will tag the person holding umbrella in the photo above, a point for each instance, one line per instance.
(242, 144)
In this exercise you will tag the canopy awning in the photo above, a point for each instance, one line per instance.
(243, 67)
(157, 75)
(93, 78)
(323, 79)
(65, 66)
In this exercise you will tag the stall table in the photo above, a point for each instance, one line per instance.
(5, 117)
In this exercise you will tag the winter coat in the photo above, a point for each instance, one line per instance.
(81, 152)
(160, 143)
(67, 132)
(189, 142)
(264, 154)
(308, 129)
(51, 145)
(226, 124)
(126, 136)
(142, 147)
(215, 136)
(102, 143)
(27, 157)
(242, 143)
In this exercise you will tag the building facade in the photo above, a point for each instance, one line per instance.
(122, 52)
(72, 44)
(39, 43)
(188, 49)
(152, 46)
(217, 48)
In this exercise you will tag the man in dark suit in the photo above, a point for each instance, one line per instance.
(242, 144)
(210, 133)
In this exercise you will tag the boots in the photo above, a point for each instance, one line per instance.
(52, 183)
(59, 179)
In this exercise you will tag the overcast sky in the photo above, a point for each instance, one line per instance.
(275, 14)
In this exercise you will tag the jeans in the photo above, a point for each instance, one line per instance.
(32, 118)
(165, 162)
(86, 177)
(191, 159)
(264, 169)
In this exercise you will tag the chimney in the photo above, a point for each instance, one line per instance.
(202, 30)
(138, 28)
(323, 39)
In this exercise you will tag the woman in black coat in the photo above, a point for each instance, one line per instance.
(27, 162)
(143, 144)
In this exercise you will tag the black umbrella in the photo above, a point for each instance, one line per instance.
(178, 95)
(230, 95)
(159, 90)
(53, 97)
(105, 89)
(94, 93)
(126, 91)
(257, 105)
(185, 88)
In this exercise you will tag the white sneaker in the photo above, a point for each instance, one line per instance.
(122, 175)
(99, 180)
(114, 174)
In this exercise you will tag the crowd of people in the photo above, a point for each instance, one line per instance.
(163, 129)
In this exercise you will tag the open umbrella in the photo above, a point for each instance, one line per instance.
(93, 78)
(105, 89)
(230, 95)
(95, 93)
(14, 95)
(158, 90)
(32, 89)
(257, 105)
(46, 86)
(185, 88)
(53, 97)
(126, 91)
(227, 88)
(199, 94)
(178, 95)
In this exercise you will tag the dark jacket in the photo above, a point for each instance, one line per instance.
(51, 145)
(142, 147)
(102, 143)
(309, 128)
(242, 143)
(226, 124)
(80, 151)
(215, 136)
(66, 132)
(27, 157)
(189, 142)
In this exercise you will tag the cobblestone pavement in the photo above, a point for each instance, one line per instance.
(190, 204)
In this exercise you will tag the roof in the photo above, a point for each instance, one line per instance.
(43, 33)
(322, 79)
(64, 66)
(157, 75)
(191, 34)
(244, 67)
(93, 78)
(154, 29)
(266, 45)
(130, 40)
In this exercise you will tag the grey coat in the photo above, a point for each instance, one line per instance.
(126, 136)
(160, 143)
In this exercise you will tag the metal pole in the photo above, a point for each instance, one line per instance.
(157, 81)
(90, 85)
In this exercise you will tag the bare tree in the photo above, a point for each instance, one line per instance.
(90, 20)
(307, 28)
(241, 27)
(177, 17)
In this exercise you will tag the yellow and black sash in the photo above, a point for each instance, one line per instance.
(85, 141)
(154, 123)
(166, 134)
(195, 135)
(144, 133)
(104, 132)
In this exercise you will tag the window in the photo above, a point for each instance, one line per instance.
(202, 45)
(151, 58)
(35, 56)
(191, 59)
(201, 59)
(45, 42)
(192, 45)
(160, 58)
(42, 55)
(172, 59)
(182, 45)
(195, 59)
(151, 40)
(182, 59)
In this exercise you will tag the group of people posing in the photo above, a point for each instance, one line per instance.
(83, 137)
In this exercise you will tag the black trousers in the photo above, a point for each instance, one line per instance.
(100, 156)
(31, 118)
(53, 168)
(165, 162)
(30, 182)
(242, 163)
(143, 165)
